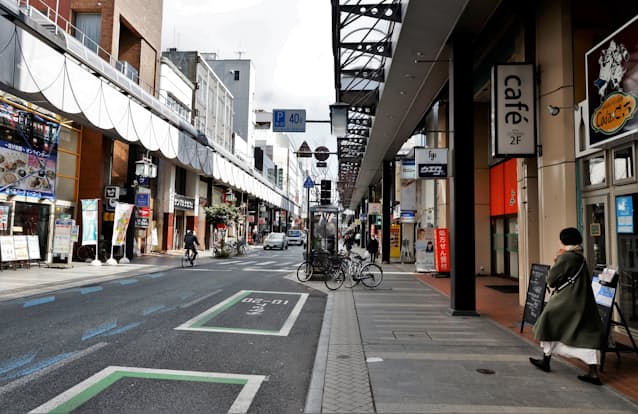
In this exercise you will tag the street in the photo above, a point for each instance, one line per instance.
(226, 335)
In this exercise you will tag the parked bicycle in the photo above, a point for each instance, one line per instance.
(360, 270)
(317, 262)
(188, 257)
(336, 272)
(86, 253)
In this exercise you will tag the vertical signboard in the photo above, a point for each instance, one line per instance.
(624, 215)
(442, 250)
(612, 79)
(513, 111)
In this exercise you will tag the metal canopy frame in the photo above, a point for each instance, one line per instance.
(362, 42)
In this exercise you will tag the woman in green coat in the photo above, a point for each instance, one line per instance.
(570, 324)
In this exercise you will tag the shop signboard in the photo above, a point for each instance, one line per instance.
(28, 153)
(612, 95)
(33, 243)
(122, 217)
(142, 222)
(431, 162)
(624, 215)
(181, 202)
(7, 251)
(442, 250)
(142, 199)
(424, 245)
(4, 217)
(513, 110)
(395, 241)
(62, 236)
(21, 247)
(143, 212)
(89, 221)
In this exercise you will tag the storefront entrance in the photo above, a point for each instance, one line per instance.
(33, 219)
(505, 246)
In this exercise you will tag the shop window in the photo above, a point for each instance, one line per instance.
(594, 171)
(623, 164)
(65, 188)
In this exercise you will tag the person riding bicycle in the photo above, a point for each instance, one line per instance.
(190, 241)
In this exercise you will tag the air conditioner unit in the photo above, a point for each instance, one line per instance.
(128, 70)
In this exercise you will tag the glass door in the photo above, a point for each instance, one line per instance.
(594, 231)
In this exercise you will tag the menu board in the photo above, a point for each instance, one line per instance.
(535, 299)
(20, 247)
(7, 252)
(34, 247)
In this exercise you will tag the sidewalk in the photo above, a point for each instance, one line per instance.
(395, 349)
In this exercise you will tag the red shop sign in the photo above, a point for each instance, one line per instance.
(442, 250)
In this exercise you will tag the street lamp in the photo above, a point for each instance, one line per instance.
(339, 119)
(145, 168)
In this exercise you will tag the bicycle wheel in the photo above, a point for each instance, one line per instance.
(85, 253)
(184, 260)
(371, 275)
(304, 271)
(335, 279)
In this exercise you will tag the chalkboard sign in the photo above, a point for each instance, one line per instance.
(535, 299)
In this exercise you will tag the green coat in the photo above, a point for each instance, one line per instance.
(571, 315)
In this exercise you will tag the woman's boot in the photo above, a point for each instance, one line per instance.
(542, 364)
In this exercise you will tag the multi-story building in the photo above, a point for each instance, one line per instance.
(526, 97)
(239, 76)
(82, 121)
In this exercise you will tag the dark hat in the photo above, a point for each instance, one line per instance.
(570, 237)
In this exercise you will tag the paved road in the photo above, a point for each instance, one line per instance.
(213, 338)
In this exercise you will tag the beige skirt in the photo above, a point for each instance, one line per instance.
(587, 355)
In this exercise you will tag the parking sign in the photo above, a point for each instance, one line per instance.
(289, 120)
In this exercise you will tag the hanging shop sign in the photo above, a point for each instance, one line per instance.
(513, 110)
(184, 203)
(28, 153)
(612, 76)
(431, 162)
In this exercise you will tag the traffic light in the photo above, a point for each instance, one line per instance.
(326, 187)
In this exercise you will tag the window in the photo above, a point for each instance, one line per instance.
(623, 164)
(88, 27)
(236, 74)
(594, 171)
(180, 181)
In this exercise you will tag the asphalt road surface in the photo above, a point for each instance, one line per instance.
(226, 335)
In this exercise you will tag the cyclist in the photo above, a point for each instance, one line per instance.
(190, 241)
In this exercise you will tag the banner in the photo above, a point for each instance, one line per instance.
(122, 217)
(89, 221)
(28, 153)
(442, 250)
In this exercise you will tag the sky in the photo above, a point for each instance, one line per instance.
(288, 41)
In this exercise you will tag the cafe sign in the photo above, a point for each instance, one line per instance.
(513, 110)
(612, 77)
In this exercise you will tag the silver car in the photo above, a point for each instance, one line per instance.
(296, 237)
(276, 241)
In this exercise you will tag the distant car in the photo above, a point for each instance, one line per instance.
(296, 237)
(276, 241)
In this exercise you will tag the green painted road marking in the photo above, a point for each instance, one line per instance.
(197, 323)
(89, 388)
(221, 307)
